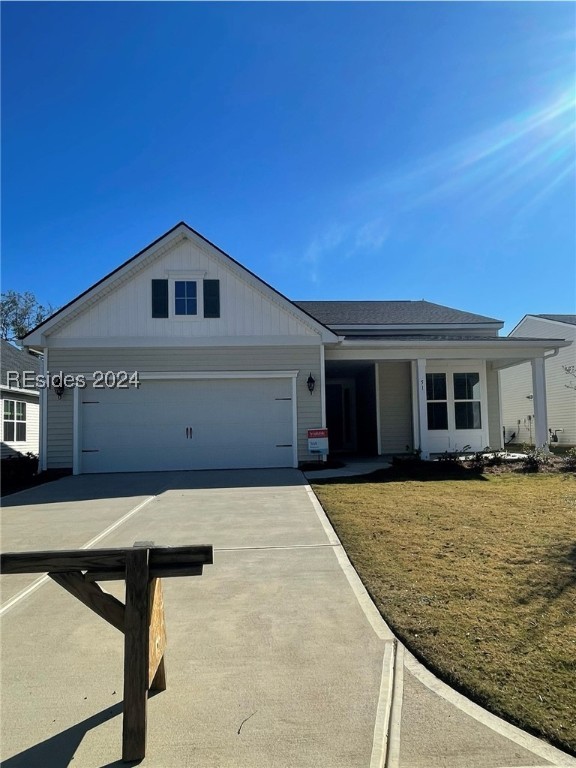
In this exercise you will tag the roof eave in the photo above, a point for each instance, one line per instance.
(36, 338)
(497, 343)
(415, 327)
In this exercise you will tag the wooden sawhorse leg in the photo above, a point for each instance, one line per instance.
(144, 646)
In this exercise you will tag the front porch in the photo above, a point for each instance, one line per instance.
(434, 404)
(379, 408)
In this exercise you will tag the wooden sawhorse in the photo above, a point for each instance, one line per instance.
(141, 619)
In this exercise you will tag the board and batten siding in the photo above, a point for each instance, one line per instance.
(75, 361)
(395, 404)
(246, 310)
(31, 444)
(516, 385)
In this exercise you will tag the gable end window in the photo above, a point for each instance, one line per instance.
(14, 421)
(186, 298)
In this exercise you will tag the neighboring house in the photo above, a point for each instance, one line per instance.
(20, 401)
(516, 383)
(225, 365)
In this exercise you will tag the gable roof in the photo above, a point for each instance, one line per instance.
(391, 313)
(568, 319)
(14, 359)
(160, 245)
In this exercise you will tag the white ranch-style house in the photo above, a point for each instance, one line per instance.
(232, 374)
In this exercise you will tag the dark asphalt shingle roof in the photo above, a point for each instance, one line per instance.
(14, 359)
(388, 313)
(569, 319)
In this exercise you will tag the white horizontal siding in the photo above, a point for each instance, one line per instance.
(127, 310)
(31, 444)
(60, 412)
(516, 385)
(395, 403)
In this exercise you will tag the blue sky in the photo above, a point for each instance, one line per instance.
(338, 150)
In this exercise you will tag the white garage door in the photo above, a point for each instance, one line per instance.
(191, 424)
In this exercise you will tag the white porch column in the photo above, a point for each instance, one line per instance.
(541, 438)
(422, 408)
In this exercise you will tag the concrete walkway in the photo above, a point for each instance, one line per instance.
(352, 466)
(276, 655)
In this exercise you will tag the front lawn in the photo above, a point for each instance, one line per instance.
(478, 578)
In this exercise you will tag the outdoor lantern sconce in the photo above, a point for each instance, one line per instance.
(58, 388)
(311, 383)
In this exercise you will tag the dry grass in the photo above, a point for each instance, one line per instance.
(478, 578)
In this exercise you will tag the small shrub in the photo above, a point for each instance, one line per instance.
(19, 468)
(569, 460)
(496, 460)
(415, 454)
(535, 460)
(478, 462)
(450, 457)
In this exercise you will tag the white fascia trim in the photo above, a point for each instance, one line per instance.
(244, 274)
(187, 342)
(512, 356)
(183, 375)
(105, 285)
(140, 260)
(500, 346)
(17, 391)
(500, 342)
(417, 327)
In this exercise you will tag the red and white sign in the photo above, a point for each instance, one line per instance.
(318, 441)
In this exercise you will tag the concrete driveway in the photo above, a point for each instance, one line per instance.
(271, 659)
(276, 656)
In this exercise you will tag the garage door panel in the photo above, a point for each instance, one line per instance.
(194, 424)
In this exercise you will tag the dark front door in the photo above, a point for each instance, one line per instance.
(341, 415)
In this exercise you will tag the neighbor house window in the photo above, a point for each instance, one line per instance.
(185, 297)
(467, 401)
(436, 396)
(14, 421)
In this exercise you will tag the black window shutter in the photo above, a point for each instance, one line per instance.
(159, 298)
(211, 298)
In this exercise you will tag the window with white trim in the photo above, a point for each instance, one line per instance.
(467, 411)
(437, 400)
(186, 298)
(185, 295)
(14, 421)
